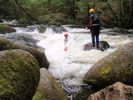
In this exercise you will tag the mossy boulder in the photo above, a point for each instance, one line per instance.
(48, 89)
(118, 66)
(39, 54)
(19, 75)
(6, 29)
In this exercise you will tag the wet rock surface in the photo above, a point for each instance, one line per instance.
(103, 45)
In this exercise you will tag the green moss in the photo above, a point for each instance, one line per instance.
(130, 94)
(49, 92)
(54, 19)
(24, 21)
(90, 81)
(5, 28)
(58, 91)
(18, 77)
(105, 71)
(38, 96)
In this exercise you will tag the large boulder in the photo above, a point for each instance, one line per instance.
(117, 91)
(117, 66)
(48, 89)
(39, 54)
(19, 75)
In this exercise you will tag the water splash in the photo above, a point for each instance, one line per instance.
(69, 67)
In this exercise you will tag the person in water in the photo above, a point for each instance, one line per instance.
(66, 37)
(94, 26)
(65, 40)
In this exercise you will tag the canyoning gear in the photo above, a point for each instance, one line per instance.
(66, 37)
(65, 34)
(65, 41)
(91, 11)
(94, 26)
(94, 18)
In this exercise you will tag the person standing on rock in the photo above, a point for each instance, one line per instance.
(94, 26)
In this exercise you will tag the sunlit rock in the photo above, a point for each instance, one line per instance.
(117, 91)
(19, 75)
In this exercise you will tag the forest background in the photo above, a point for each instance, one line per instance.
(113, 13)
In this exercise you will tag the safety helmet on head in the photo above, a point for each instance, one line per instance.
(65, 34)
(91, 11)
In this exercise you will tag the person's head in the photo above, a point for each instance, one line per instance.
(65, 34)
(92, 11)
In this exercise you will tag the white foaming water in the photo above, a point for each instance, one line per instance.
(70, 66)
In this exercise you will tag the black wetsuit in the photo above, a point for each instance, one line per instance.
(95, 29)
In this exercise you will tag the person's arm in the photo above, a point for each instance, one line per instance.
(90, 23)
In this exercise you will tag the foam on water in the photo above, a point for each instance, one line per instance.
(70, 66)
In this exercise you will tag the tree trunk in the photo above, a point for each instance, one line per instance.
(72, 8)
(112, 11)
(130, 14)
(29, 15)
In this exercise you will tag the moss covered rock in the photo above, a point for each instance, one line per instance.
(48, 89)
(117, 66)
(6, 29)
(54, 19)
(19, 75)
(39, 54)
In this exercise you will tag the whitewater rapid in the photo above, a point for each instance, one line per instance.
(69, 67)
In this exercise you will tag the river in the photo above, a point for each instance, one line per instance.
(69, 66)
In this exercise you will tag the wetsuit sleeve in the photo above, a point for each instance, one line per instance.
(91, 21)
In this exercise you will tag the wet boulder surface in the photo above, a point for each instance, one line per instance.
(103, 45)
(118, 66)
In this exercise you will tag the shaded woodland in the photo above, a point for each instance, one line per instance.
(118, 13)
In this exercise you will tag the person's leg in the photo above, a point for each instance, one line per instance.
(97, 36)
(93, 36)
(93, 39)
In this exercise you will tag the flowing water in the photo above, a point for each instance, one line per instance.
(68, 66)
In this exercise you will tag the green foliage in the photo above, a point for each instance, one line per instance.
(54, 19)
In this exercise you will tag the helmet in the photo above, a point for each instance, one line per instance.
(91, 11)
(65, 34)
